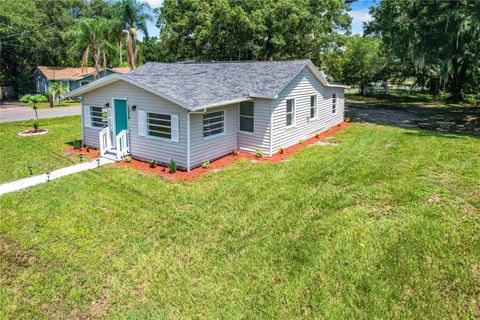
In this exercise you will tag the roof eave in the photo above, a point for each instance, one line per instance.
(117, 76)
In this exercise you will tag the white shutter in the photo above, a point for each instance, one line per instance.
(142, 123)
(87, 119)
(174, 128)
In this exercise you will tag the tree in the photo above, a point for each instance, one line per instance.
(441, 39)
(130, 16)
(92, 35)
(56, 91)
(245, 30)
(362, 64)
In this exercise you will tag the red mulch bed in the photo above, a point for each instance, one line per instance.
(228, 159)
(33, 132)
(93, 153)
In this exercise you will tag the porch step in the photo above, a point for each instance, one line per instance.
(110, 156)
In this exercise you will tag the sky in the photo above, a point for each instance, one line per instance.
(359, 14)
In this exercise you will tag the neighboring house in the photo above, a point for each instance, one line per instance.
(73, 77)
(193, 112)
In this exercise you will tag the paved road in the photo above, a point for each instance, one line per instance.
(12, 112)
(463, 120)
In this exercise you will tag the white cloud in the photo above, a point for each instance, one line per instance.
(154, 3)
(359, 16)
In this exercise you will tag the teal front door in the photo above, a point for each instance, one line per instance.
(121, 115)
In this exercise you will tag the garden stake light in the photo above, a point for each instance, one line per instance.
(98, 163)
(48, 176)
(81, 157)
(30, 167)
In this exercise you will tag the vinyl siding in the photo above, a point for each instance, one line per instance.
(213, 147)
(260, 138)
(143, 148)
(301, 88)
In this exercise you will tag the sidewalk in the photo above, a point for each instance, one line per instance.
(35, 180)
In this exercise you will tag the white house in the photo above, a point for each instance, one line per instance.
(193, 112)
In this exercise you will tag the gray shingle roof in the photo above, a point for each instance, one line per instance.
(202, 84)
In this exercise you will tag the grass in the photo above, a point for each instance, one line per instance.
(46, 105)
(44, 153)
(410, 98)
(385, 225)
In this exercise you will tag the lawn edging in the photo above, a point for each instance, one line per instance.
(215, 165)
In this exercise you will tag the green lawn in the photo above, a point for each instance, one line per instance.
(385, 225)
(44, 153)
(46, 105)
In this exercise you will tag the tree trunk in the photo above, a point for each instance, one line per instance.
(362, 88)
(458, 80)
(52, 99)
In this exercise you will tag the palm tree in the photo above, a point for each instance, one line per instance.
(92, 35)
(130, 17)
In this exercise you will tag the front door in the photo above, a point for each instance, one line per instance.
(121, 114)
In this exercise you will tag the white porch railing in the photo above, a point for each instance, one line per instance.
(105, 140)
(122, 144)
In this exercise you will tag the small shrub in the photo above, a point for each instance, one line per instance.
(330, 129)
(29, 99)
(317, 135)
(280, 150)
(205, 164)
(36, 126)
(301, 141)
(128, 158)
(172, 166)
(152, 163)
(348, 119)
(77, 144)
(236, 152)
(258, 153)
(88, 149)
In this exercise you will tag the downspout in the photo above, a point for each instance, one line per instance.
(188, 141)
(83, 121)
(270, 152)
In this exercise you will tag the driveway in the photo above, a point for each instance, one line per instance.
(447, 119)
(10, 112)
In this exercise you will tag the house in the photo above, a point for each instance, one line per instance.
(193, 112)
(73, 77)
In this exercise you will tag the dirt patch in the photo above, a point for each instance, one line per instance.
(216, 165)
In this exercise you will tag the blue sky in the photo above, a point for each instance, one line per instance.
(359, 14)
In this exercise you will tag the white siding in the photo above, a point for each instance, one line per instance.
(260, 138)
(213, 147)
(301, 88)
(143, 148)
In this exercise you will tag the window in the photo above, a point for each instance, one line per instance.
(159, 125)
(213, 123)
(334, 103)
(290, 112)
(83, 83)
(246, 116)
(313, 106)
(98, 116)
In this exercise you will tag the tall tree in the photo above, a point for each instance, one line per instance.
(363, 63)
(92, 36)
(130, 16)
(440, 38)
(242, 30)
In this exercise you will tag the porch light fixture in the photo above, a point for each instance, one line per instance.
(134, 107)
(107, 105)
(30, 167)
